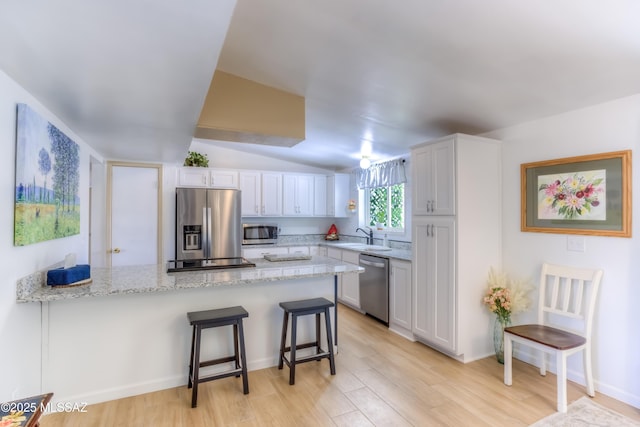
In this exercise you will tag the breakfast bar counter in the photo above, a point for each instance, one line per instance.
(154, 278)
(127, 332)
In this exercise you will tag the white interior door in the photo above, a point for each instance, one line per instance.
(135, 214)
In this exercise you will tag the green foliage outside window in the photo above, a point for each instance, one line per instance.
(386, 207)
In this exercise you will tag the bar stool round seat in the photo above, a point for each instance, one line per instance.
(212, 319)
(296, 309)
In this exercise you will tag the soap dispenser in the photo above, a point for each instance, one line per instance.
(385, 242)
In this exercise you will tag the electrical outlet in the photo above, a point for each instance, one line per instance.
(576, 244)
(16, 394)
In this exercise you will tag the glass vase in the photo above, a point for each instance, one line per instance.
(498, 337)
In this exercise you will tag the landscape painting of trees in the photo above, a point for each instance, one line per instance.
(47, 205)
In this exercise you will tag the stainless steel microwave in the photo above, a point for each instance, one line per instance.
(259, 234)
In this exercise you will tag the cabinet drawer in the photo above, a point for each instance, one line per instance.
(351, 257)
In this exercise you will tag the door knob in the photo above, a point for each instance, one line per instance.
(116, 250)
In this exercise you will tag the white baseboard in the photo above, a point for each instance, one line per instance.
(135, 389)
(128, 390)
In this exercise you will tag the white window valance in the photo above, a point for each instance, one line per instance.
(382, 174)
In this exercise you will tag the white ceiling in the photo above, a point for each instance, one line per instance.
(130, 77)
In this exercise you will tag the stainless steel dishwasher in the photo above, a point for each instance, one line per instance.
(374, 287)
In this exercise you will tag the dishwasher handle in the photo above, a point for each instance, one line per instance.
(373, 264)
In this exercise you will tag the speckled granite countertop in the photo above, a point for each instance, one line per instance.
(154, 278)
(401, 254)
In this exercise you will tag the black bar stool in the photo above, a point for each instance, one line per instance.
(212, 319)
(302, 308)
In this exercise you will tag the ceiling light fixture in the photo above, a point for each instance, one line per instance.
(365, 162)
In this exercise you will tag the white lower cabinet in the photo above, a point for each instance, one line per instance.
(318, 250)
(351, 282)
(400, 300)
(261, 252)
(299, 250)
(434, 282)
(348, 285)
(276, 250)
(336, 254)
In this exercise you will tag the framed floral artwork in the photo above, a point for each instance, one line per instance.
(578, 195)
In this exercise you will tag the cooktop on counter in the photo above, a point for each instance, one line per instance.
(207, 264)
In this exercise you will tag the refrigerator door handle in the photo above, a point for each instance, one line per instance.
(209, 234)
(205, 233)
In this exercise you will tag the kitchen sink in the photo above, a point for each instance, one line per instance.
(362, 247)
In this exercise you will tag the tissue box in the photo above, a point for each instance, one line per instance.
(69, 276)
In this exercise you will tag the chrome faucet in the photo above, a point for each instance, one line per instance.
(369, 234)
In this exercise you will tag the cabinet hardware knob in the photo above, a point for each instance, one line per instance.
(116, 250)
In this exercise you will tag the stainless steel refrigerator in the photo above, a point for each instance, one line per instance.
(208, 224)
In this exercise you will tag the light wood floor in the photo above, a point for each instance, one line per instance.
(382, 380)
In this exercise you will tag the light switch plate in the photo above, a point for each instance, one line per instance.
(576, 244)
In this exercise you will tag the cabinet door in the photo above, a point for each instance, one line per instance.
(336, 254)
(289, 206)
(223, 178)
(400, 301)
(434, 282)
(261, 252)
(434, 179)
(331, 196)
(422, 184)
(298, 195)
(318, 250)
(250, 189)
(193, 177)
(443, 178)
(320, 195)
(337, 195)
(299, 250)
(271, 194)
(304, 195)
(351, 282)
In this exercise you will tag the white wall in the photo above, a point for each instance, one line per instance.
(220, 157)
(606, 127)
(20, 323)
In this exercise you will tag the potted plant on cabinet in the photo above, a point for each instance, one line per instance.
(196, 159)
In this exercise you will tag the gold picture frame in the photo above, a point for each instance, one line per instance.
(589, 195)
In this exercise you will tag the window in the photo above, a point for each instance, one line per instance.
(385, 205)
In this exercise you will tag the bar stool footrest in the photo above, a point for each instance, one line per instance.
(219, 375)
(309, 358)
(217, 361)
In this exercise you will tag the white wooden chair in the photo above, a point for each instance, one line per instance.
(567, 299)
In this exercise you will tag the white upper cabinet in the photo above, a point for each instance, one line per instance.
(250, 188)
(337, 194)
(193, 177)
(320, 195)
(298, 195)
(207, 177)
(275, 193)
(271, 194)
(434, 186)
(261, 193)
(223, 178)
